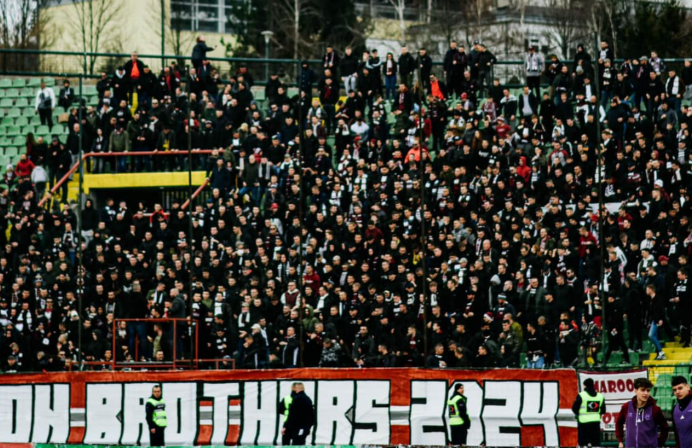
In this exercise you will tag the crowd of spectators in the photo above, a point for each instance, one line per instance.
(502, 258)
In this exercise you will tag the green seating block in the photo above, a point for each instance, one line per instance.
(89, 90)
(12, 93)
(33, 82)
(61, 130)
(28, 112)
(28, 130)
(42, 130)
(11, 151)
(19, 140)
(6, 103)
(7, 121)
(35, 120)
(14, 113)
(19, 82)
(50, 82)
(17, 158)
(664, 380)
(5, 83)
(27, 92)
(14, 130)
(21, 102)
(615, 358)
(5, 142)
(22, 121)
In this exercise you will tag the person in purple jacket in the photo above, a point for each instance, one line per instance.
(641, 423)
(682, 412)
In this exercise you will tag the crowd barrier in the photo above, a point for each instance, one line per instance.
(353, 406)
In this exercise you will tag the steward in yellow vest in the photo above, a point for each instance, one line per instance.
(588, 408)
(156, 417)
(458, 417)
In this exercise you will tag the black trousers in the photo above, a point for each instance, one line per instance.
(534, 83)
(156, 438)
(46, 116)
(296, 436)
(459, 434)
(589, 434)
(617, 341)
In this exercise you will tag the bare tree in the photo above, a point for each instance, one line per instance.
(177, 35)
(400, 8)
(22, 27)
(565, 18)
(95, 23)
(289, 16)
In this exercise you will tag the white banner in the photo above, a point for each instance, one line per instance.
(617, 388)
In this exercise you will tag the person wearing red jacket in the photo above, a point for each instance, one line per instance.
(586, 239)
(24, 167)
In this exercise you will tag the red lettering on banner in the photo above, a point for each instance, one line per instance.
(611, 387)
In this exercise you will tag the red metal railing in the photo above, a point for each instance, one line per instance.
(75, 167)
(175, 363)
(197, 192)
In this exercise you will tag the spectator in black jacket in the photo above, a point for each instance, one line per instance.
(657, 306)
(199, 52)
(424, 63)
(406, 67)
(301, 416)
(615, 327)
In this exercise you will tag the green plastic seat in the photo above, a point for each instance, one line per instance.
(14, 113)
(22, 121)
(27, 92)
(28, 112)
(50, 82)
(11, 151)
(6, 103)
(33, 82)
(22, 102)
(19, 82)
(61, 130)
(42, 130)
(5, 83)
(5, 142)
(14, 130)
(35, 120)
(12, 93)
(664, 380)
(7, 121)
(88, 90)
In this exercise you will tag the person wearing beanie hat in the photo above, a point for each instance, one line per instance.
(588, 408)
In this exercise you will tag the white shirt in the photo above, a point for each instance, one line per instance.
(47, 92)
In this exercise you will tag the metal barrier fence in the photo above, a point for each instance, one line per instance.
(21, 62)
